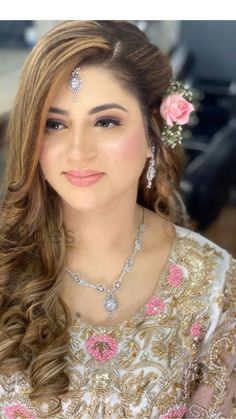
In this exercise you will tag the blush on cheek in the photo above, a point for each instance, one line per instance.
(129, 147)
(49, 156)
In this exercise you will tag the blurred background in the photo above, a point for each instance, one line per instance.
(203, 56)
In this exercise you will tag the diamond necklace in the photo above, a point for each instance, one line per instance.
(110, 302)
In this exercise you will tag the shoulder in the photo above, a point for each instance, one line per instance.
(202, 250)
(211, 283)
(201, 240)
(209, 266)
(210, 273)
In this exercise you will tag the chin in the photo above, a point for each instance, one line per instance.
(84, 204)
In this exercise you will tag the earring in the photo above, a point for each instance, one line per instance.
(151, 172)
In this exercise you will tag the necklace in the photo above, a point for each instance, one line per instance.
(110, 302)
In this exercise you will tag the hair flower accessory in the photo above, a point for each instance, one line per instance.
(175, 109)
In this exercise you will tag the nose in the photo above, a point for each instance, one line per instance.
(81, 146)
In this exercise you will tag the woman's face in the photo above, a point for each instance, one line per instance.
(80, 136)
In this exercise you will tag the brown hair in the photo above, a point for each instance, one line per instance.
(34, 320)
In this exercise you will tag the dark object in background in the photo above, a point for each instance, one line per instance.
(209, 177)
(210, 172)
(217, 107)
(12, 33)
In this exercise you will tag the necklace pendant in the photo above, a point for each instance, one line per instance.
(110, 303)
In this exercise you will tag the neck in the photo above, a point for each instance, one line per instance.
(101, 231)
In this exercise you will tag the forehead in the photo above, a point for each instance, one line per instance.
(98, 85)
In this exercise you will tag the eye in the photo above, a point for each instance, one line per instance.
(107, 123)
(53, 125)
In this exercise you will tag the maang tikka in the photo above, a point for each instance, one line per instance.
(151, 172)
(75, 82)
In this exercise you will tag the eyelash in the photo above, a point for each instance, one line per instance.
(49, 121)
(110, 120)
(113, 121)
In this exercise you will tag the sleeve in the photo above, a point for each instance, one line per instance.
(213, 394)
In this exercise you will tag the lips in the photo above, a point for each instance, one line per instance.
(83, 179)
(83, 173)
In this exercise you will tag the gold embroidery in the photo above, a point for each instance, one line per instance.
(216, 372)
(156, 367)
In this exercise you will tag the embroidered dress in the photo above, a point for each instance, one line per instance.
(174, 358)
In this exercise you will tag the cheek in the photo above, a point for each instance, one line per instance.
(48, 155)
(129, 147)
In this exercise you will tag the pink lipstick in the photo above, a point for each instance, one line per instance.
(83, 177)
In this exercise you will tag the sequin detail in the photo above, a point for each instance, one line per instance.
(101, 347)
(175, 277)
(155, 305)
(18, 411)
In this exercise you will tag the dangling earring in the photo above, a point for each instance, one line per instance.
(151, 172)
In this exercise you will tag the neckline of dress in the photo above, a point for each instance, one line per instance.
(79, 323)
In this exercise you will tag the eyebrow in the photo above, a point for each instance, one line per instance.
(92, 111)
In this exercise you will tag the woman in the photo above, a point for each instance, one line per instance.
(110, 305)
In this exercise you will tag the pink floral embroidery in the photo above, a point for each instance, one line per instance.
(155, 305)
(18, 411)
(196, 330)
(175, 412)
(101, 347)
(175, 277)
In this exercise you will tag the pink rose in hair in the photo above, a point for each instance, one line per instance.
(174, 108)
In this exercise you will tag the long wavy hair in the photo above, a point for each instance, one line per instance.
(34, 320)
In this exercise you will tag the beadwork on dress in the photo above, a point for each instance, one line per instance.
(165, 361)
